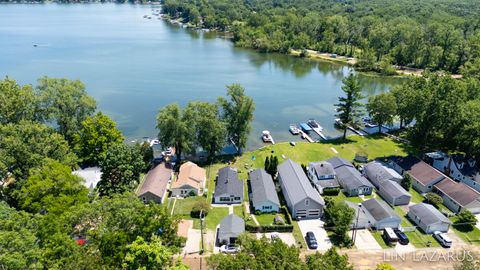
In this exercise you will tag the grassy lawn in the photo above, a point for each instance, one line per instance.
(470, 236)
(214, 217)
(267, 218)
(416, 197)
(417, 238)
(183, 207)
(297, 234)
(239, 210)
(380, 240)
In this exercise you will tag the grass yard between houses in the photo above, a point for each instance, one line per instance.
(469, 236)
(267, 218)
(417, 238)
(214, 217)
(239, 210)
(378, 236)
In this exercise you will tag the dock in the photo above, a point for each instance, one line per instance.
(358, 132)
(306, 137)
(319, 133)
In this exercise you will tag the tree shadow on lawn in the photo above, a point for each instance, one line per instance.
(464, 228)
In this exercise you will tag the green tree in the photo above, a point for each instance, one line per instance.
(147, 154)
(407, 97)
(348, 108)
(330, 260)
(173, 129)
(237, 112)
(65, 103)
(200, 206)
(18, 102)
(469, 262)
(121, 168)
(340, 216)
(267, 164)
(434, 199)
(406, 182)
(53, 188)
(468, 136)
(384, 266)
(466, 220)
(382, 109)
(96, 135)
(147, 255)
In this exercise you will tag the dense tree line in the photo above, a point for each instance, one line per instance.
(48, 218)
(432, 34)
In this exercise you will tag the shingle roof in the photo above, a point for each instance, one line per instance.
(322, 168)
(228, 182)
(296, 183)
(190, 174)
(380, 171)
(428, 214)
(421, 171)
(232, 224)
(466, 169)
(350, 178)
(458, 192)
(338, 162)
(331, 183)
(379, 210)
(156, 181)
(393, 189)
(263, 188)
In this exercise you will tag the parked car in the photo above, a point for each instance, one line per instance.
(443, 238)
(274, 235)
(311, 240)
(402, 237)
(229, 249)
(390, 237)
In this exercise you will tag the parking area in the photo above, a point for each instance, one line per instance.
(316, 226)
(287, 238)
(365, 240)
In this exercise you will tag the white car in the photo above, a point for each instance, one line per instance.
(442, 238)
(229, 249)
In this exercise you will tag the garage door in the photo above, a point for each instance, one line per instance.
(301, 213)
(313, 213)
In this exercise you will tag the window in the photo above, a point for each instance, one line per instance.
(144, 199)
(307, 202)
(237, 198)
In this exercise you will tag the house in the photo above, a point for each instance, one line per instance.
(393, 193)
(91, 175)
(323, 176)
(154, 186)
(228, 188)
(263, 196)
(458, 196)
(230, 228)
(302, 199)
(375, 214)
(378, 172)
(424, 176)
(351, 180)
(428, 218)
(190, 181)
(458, 167)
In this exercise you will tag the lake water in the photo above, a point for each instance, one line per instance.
(133, 66)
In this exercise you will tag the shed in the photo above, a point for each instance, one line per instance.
(230, 228)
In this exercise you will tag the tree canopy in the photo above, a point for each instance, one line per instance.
(349, 106)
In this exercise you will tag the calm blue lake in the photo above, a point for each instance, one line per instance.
(133, 66)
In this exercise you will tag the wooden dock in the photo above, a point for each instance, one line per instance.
(306, 137)
(319, 133)
(358, 132)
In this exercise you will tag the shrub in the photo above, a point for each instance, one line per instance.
(198, 207)
(466, 219)
(258, 212)
(434, 199)
(331, 191)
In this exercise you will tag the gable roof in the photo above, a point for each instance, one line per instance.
(228, 182)
(330, 183)
(338, 162)
(263, 188)
(379, 210)
(232, 224)
(459, 192)
(190, 174)
(322, 168)
(297, 186)
(419, 170)
(393, 189)
(156, 181)
(381, 171)
(350, 178)
(468, 169)
(428, 214)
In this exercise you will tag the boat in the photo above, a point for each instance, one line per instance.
(145, 16)
(294, 129)
(338, 122)
(154, 142)
(267, 137)
(314, 124)
(305, 127)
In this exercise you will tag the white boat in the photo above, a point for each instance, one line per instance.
(294, 129)
(314, 124)
(154, 142)
(338, 122)
(267, 137)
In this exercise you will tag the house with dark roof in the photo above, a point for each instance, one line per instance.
(458, 196)
(457, 167)
(424, 176)
(302, 199)
(351, 180)
(154, 186)
(378, 172)
(263, 195)
(375, 214)
(428, 218)
(228, 188)
(393, 193)
(230, 228)
(323, 176)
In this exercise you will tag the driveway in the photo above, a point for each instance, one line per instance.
(316, 226)
(478, 220)
(287, 238)
(365, 240)
(404, 248)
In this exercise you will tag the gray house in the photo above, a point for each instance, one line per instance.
(428, 218)
(323, 176)
(230, 228)
(302, 199)
(424, 176)
(393, 193)
(228, 188)
(154, 187)
(264, 196)
(378, 172)
(458, 196)
(375, 214)
(351, 180)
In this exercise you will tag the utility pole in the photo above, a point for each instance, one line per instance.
(201, 231)
(354, 233)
